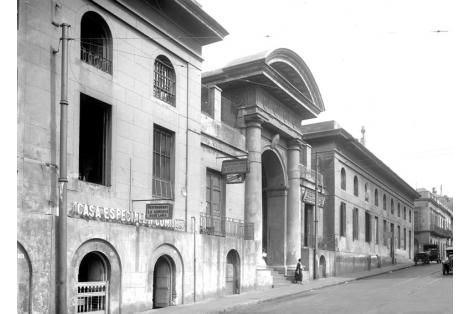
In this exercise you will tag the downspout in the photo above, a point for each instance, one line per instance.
(187, 150)
(61, 278)
(315, 219)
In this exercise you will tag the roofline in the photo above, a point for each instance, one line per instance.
(342, 134)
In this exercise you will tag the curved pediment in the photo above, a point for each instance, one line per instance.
(282, 71)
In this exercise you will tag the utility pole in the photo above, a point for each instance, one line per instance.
(315, 219)
(61, 234)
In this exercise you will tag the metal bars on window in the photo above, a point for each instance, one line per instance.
(162, 186)
(92, 297)
(164, 80)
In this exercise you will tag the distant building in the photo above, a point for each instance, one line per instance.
(368, 213)
(433, 220)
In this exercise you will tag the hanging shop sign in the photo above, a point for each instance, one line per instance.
(234, 178)
(235, 166)
(158, 211)
(124, 216)
(309, 198)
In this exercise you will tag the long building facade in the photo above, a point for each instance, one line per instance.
(434, 220)
(153, 217)
(368, 212)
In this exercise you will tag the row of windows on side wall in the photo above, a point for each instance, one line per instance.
(96, 49)
(366, 194)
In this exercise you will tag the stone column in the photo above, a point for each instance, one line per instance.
(253, 185)
(293, 249)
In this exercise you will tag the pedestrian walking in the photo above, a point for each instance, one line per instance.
(298, 272)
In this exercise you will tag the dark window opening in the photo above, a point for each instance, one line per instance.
(95, 141)
(164, 80)
(376, 198)
(355, 224)
(377, 230)
(342, 224)
(343, 179)
(96, 42)
(308, 225)
(356, 186)
(399, 237)
(162, 174)
(392, 207)
(385, 232)
(368, 233)
(366, 192)
(404, 239)
(384, 202)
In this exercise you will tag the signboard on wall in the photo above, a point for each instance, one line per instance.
(235, 166)
(309, 198)
(158, 211)
(234, 178)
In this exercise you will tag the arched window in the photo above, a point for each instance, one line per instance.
(392, 207)
(96, 46)
(398, 209)
(376, 197)
(343, 179)
(356, 186)
(164, 80)
(384, 203)
(366, 192)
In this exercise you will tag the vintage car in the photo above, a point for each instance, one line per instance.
(422, 257)
(433, 251)
(448, 263)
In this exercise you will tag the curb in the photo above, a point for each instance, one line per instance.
(305, 292)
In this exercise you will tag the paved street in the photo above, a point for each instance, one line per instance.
(420, 289)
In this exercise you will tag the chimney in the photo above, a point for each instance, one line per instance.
(363, 139)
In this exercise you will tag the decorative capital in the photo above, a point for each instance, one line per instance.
(254, 120)
(294, 143)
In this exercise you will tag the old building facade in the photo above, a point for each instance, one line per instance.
(434, 220)
(152, 220)
(368, 211)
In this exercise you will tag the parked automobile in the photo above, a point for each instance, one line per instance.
(448, 263)
(422, 257)
(433, 251)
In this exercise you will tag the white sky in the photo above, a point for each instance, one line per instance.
(378, 64)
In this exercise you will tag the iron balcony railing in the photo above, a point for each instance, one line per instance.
(309, 174)
(225, 227)
(96, 60)
(92, 297)
(446, 233)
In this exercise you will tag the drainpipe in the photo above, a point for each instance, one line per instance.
(187, 150)
(61, 278)
(193, 222)
(315, 219)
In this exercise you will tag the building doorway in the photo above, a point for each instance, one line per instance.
(274, 198)
(322, 268)
(164, 292)
(23, 277)
(93, 284)
(232, 273)
(392, 243)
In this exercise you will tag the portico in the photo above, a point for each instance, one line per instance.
(270, 94)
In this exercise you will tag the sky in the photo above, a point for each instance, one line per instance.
(398, 68)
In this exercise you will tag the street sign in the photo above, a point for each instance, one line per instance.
(234, 178)
(158, 211)
(235, 166)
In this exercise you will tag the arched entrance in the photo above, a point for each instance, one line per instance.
(274, 207)
(232, 273)
(322, 268)
(23, 276)
(164, 291)
(93, 284)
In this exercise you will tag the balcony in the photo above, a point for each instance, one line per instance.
(225, 227)
(442, 232)
(96, 60)
(309, 174)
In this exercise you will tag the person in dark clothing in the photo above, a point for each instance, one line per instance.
(298, 272)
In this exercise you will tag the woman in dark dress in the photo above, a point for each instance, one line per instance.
(298, 272)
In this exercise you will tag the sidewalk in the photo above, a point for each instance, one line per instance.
(232, 302)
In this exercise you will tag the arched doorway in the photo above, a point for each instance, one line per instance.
(274, 207)
(164, 292)
(23, 276)
(93, 284)
(322, 268)
(232, 273)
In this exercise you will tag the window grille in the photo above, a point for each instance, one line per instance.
(92, 297)
(164, 80)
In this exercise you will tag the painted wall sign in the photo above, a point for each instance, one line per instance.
(123, 216)
(158, 211)
(309, 198)
(235, 166)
